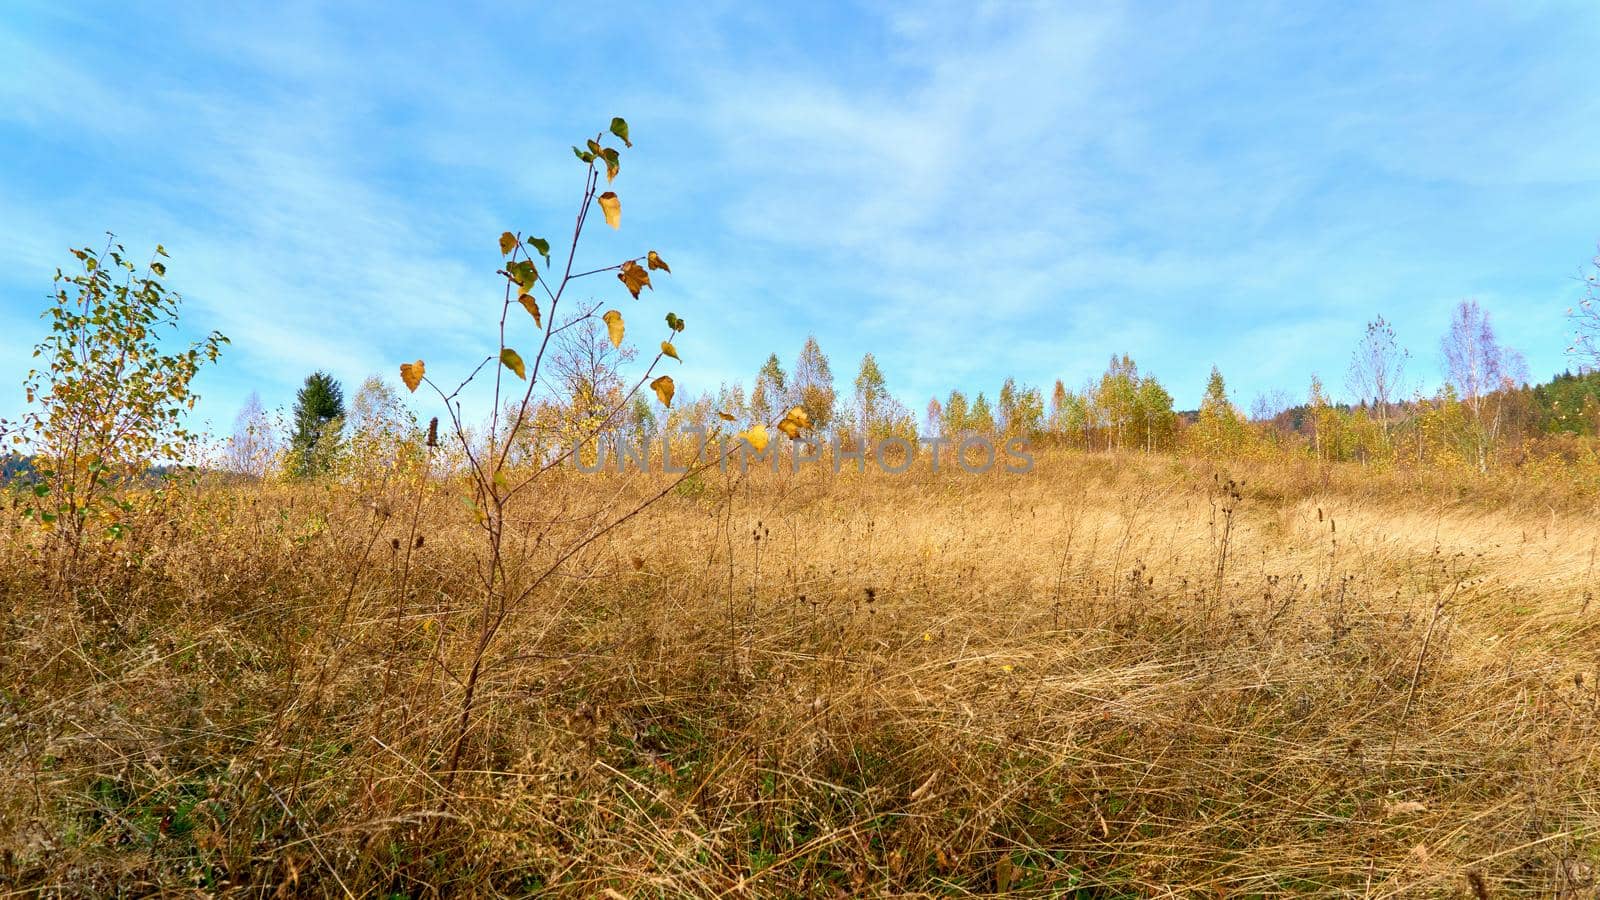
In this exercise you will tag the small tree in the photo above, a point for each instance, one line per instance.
(520, 553)
(980, 420)
(871, 397)
(109, 403)
(933, 419)
(1472, 356)
(379, 431)
(1377, 370)
(812, 387)
(1117, 396)
(955, 415)
(252, 446)
(771, 392)
(1153, 412)
(1586, 319)
(318, 421)
(1219, 430)
(1478, 368)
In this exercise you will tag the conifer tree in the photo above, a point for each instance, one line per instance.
(318, 418)
(955, 415)
(981, 418)
(771, 393)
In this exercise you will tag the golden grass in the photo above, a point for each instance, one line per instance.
(825, 686)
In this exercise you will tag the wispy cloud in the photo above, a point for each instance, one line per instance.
(968, 191)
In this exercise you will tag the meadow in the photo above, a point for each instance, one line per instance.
(1118, 675)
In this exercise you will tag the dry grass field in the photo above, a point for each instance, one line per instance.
(1117, 676)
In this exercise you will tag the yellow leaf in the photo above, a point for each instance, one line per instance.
(671, 351)
(654, 261)
(614, 326)
(793, 421)
(633, 276)
(411, 374)
(532, 306)
(512, 361)
(612, 207)
(663, 387)
(508, 243)
(755, 436)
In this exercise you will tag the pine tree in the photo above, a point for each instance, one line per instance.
(1219, 430)
(955, 415)
(318, 417)
(771, 394)
(981, 419)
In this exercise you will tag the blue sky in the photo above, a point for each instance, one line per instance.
(968, 190)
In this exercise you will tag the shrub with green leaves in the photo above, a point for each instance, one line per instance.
(107, 403)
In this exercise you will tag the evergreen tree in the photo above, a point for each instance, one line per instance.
(771, 394)
(641, 419)
(318, 417)
(981, 419)
(1219, 430)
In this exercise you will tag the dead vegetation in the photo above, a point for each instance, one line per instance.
(1114, 676)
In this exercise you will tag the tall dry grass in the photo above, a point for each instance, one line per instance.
(1115, 676)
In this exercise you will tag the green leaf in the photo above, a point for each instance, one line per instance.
(673, 322)
(582, 155)
(158, 268)
(619, 127)
(524, 274)
(510, 359)
(541, 245)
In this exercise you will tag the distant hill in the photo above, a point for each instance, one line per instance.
(1566, 403)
